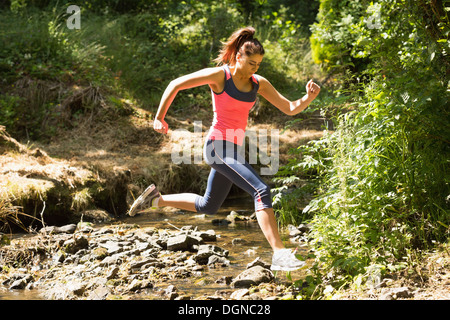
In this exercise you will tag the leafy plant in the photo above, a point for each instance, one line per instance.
(382, 192)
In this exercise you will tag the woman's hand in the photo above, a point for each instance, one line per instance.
(312, 89)
(160, 126)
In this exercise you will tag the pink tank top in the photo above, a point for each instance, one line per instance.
(231, 108)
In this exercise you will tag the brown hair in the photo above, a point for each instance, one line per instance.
(241, 41)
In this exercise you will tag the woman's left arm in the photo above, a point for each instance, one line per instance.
(288, 107)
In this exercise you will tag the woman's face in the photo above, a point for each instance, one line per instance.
(248, 65)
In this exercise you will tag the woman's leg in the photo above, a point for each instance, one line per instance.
(184, 201)
(236, 169)
(269, 227)
(217, 189)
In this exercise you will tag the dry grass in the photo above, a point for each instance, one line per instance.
(22, 175)
(11, 215)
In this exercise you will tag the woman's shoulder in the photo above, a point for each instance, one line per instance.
(215, 76)
(259, 77)
(215, 73)
(211, 73)
(213, 70)
(261, 80)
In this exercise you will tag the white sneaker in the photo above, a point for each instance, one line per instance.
(145, 200)
(285, 260)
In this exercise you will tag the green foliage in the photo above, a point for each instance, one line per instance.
(333, 35)
(9, 106)
(384, 185)
(29, 48)
(131, 50)
(297, 181)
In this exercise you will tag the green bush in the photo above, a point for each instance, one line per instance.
(133, 49)
(384, 185)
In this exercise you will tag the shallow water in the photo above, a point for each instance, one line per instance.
(255, 245)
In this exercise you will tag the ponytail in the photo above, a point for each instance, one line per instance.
(241, 41)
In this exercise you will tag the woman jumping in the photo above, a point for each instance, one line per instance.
(234, 86)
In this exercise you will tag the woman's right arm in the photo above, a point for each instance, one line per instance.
(214, 77)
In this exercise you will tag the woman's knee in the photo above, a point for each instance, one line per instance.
(265, 192)
(204, 206)
(263, 198)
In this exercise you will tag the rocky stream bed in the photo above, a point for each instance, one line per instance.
(130, 261)
(177, 256)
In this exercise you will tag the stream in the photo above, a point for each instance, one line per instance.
(252, 244)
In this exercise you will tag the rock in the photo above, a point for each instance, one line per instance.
(149, 230)
(239, 294)
(209, 235)
(298, 231)
(161, 242)
(70, 228)
(395, 293)
(18, 281)
(216, 260)
(234, 216)
(304, 228)
(99, 253)
(113, 247)
(143, 246)
(382, 284)
(99, 293)
(214, 297)
(220, 222)
(112, 273)
(182, 242)
(171, 292)
(252, 277)
(250, 252)
(103, 231)
(134, 285)
(386, 296)
(259, 262)
(76, 287)
(238, 241)
(97, 263)
(18, 284)
(58, 257)
(183, 297)
(150, 252)
(224, 280)
(403, 292)
(205, 251)
(140, 263)
(181, 257)
(293, 231)
(75, 244)
(114, 259)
